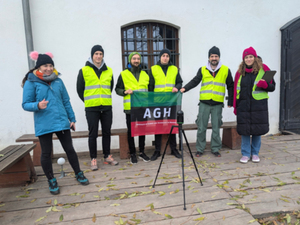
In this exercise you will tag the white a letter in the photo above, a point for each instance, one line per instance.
(155, 113)
(147, 113)
(167, 112)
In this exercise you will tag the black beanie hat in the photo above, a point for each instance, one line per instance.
(42, 60)
(165, 50)
(96, 48)
(214, 50)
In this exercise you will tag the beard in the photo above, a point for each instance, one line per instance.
(214, 62)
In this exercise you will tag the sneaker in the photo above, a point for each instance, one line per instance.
(53, 187)
(176, 153)
(155, 155)
(133, 159)
(94, 164)
(110, 160)
(255, 158)
(199, 154)
(144, 157)
(81, 178)
(244, 159)
(217, 154)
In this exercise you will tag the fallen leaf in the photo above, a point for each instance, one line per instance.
(151, 206)
(115, 204)
(49, 209)
(61, 218)
(41, 218)
(168, 216)
(252, 221)
(199, 211)
(200, 218)
(100, 189)
(83, 196)
(33, 200)
(49, 202)
(54, 209)
(94, 218)
(55, 202)
(157, 213)
(2, 205)
(123, 216)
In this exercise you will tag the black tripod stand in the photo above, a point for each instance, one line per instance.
(180, 131)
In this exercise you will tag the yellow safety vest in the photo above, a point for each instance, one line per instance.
(213, 88)
(257, 95)
(130, 82)
(97, 91)
(164, 83)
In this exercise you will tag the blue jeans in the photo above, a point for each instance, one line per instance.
(249, 147)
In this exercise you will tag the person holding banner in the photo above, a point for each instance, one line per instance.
(94, 85)
(214, 77)
(164, 77)
(133, 79)
(251, 105)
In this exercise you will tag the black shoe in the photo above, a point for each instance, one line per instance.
(133, 159)
(81, 178)
(176, 153)
(217, 154)
(144, 157)
(199, 154)
(53, 187)
(155, 155)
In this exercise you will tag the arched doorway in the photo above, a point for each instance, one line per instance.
(290, 77)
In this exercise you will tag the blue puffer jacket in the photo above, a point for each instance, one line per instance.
(58, 114)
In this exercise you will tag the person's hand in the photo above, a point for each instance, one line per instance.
(174, 90)
(182, 90)
(43, 104)
(128, 92)
(72, 126)
(262, 84)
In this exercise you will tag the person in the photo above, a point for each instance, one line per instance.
(45, 94)
(94, 86)
(164, 77)
(133, 78)
(251, 105)
(214, 77)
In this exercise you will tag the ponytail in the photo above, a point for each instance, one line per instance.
(26, 77)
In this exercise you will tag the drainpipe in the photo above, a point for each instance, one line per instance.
(28, 31)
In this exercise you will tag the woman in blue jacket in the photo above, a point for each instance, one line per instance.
(45, 95)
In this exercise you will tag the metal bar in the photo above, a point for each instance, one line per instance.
(28, 31)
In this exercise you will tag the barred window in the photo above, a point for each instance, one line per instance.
(149, 39)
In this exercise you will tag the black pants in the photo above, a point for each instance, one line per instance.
(93, 118)
(131, 139)
(172, 142)
(47, 146)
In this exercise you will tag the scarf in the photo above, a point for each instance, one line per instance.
(46, 78)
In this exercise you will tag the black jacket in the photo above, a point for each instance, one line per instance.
(252, 115)
(198, 78)
(81, 86)
(178, 81)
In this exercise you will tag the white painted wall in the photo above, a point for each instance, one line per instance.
(69, 29)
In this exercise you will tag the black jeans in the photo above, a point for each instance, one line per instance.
(131, 139)
(47, 146)
(93, 118)
(172, 142)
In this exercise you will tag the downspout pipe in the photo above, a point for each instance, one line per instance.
(28, 31)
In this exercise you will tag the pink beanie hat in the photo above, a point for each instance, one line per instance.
(249, 51)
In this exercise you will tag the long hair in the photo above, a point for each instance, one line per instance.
(257, 65)
(26, 76)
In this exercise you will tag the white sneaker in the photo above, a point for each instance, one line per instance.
(255, 158)
(244, 159)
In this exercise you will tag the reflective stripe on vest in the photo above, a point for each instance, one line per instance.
(164, 83)
(213, 88)
(130, 82)
(257, 95)
(97, 91)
